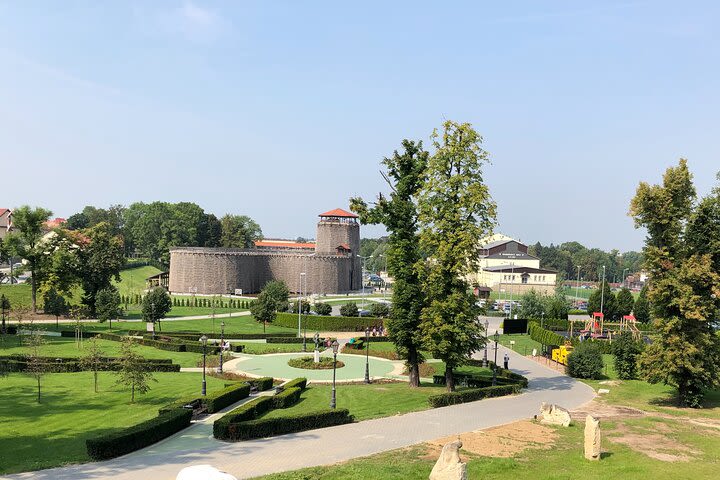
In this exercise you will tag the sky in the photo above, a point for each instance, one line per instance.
(283, 110)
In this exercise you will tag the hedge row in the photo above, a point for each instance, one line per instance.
(73, 367)
(543, 336)
(24, 357)
(128, 440)
(219, 400)
(471, 395)
(287, 398)
(237, 336)
(262, 383)
(73, 333)
(290, 423)
(224, 427)
(289, 340)
(301, 383)
(328, 323)
(171, 345)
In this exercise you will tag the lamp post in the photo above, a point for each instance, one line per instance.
(152, 317)
(485, 360)
(602, 292)
(386, 274)
(512, 282)
(222, 344)
(302, 274)
(496, 337)
(367, 355)
(577, 289)
(204, 340)
(335, 346)
(362, 277)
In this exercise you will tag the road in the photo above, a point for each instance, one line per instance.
(195, 445)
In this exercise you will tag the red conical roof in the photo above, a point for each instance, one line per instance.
(338, 212)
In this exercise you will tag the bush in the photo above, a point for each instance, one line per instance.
(379, 309)
(323, 309)
(463, 396)
(585, 361)
(287, 398)
(287, 340)
(223, 428)
(128, 440)
(268, 427)
(189, 400)
(349, 310)
(219, 400)
(543, 336)
(327, 324)
(301, 383)
(308, 363)
(626, 351)
(262, 384)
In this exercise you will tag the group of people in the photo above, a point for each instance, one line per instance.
(377, 331)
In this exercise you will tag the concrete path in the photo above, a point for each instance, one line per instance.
(248, 459)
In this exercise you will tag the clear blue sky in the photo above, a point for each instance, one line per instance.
(282, 110)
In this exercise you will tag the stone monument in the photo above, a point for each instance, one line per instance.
(316, 355)
(592, 438)
(449, 466)
(554, 415)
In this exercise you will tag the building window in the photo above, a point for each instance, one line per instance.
(525, 279)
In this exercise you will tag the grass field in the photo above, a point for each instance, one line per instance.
(66, 347)
(523, 344)
(261, 348)
(365, 401)
(132, 280)
(53, 433)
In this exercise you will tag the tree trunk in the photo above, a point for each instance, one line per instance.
(95, 373)
(449, 378)
(413, 368)
(38, 383)
(264, 323)
(57, 320)
(33, 290)
(132, 396)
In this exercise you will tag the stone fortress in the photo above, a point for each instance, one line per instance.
(330, 265)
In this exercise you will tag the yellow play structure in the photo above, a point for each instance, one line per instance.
(561, 353)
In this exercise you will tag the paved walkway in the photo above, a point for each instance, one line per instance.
(163, 460)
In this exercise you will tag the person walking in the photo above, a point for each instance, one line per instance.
(507, 360)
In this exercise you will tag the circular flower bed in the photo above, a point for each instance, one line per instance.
(308, 363)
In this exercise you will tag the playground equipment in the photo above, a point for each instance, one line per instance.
(629, 323)
(594, 326)
(561, 353)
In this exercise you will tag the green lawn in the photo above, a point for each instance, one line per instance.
(19, 295)
(66, 347)
(135, 312)
(132, 280)
(523, 344)
(53, 433)
(365, 401)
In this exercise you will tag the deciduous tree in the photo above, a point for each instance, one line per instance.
(239, 231)
(264, 309)
(93, 360)
(133, 370)
(54, 304)
(641, 309)
(405, 175)
(456, 211)
(155, 305)
(625, 302)
(36, 364)
(107, 304)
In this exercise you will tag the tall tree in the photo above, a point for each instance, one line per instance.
(100, 259)
(107, 304)
(54, 304)
(26, 242)
(625, 302)
(133, 370)
(405, 175)
(239, 231)
(264, 309)
(641, 309)
(278, 292)
(455, 211)
(155, 305)
(603, 299)
(684, 292)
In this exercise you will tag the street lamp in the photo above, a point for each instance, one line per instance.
(362, 276)
(152, 317)
(512, 280)
(577, 289)
(204, 340)
(602, 292)
(334, 346)
(496, 337)
(302, 274)
(222, 343)
(367, 355)
(487, 325)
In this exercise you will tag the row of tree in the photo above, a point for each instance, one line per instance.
(567, 257)
(615, 306)
(150, 229)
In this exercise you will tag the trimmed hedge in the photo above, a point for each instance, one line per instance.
(268, 427)
(289, 340)
(262, 384)
(72, 334)
(219, 400)
(328, 323)
(138, 436)
(301, 383)
(471, 395)
(193, 336)
(50, 365)
(543, 336)
(287, 398)
(224, 427)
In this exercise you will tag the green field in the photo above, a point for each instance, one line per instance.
(523, 344)
(53, 433)
(365, 401)
(19, 295)
(66, 347)
(261, 348)
(132, 280)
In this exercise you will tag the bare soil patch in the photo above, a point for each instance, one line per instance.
(655, 445)
(503, 441)
(604, 411)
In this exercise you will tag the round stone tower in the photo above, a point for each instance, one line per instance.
(338, 233)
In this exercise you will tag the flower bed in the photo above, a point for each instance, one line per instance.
(308, 363)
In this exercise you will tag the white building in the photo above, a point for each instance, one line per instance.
(505, 266)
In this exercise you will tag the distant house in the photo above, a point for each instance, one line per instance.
(54, 223)
(505, 265)
(5, 222)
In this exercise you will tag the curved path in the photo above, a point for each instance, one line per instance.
(195, 445)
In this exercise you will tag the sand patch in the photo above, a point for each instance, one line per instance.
(655, 445)
(604, 411)
(503, 441)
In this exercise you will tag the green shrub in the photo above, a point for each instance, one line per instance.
(378, 309)
(323, 308)
(112, 445)
(471, 395)
(287, 398)
(626, 351)
(219, 400)
(301, 383)
(288, 340)
(585, 361)
(223, 428)
(349, 310)
(262, 384)
(290, 423)
(178, 404)
(544, 336)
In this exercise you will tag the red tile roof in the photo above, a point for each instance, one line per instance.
(344, 246)
(55, 222)
(3, 210)
(338, 212)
